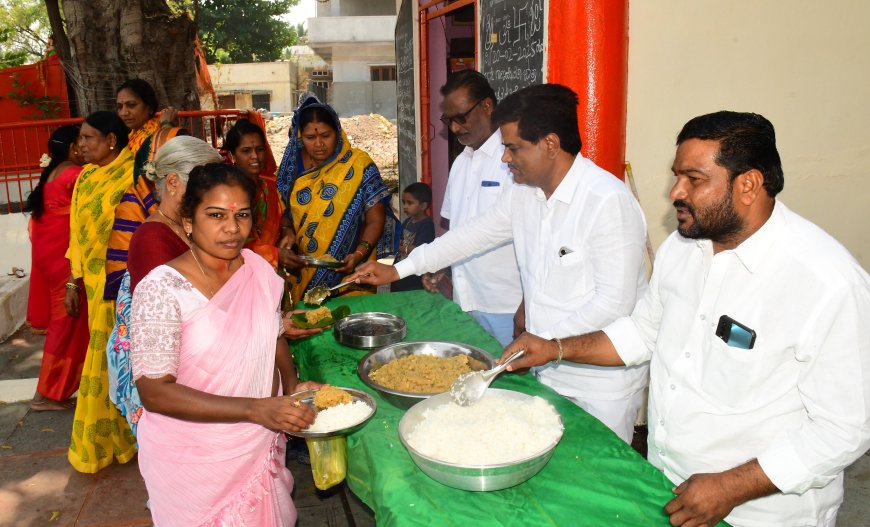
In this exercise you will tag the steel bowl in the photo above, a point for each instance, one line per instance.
(473, 477)
(307, 397)
(399, 398)
(369, 330)
(317, 262)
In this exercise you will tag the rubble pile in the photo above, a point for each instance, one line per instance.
(372, 133)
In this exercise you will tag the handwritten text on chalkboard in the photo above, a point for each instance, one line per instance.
(512, 32)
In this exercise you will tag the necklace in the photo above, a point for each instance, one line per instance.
(176, 227)
(201, 270)
(170, 220)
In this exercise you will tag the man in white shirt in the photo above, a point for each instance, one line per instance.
(755, 323)
(579, 239)
(486, 286)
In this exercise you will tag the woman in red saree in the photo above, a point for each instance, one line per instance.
(67, 340)
(207, 357)
(248, 149)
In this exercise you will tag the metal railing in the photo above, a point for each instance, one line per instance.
(23, 143)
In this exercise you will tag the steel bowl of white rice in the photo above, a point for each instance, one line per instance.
(342, 419)
(506, 438)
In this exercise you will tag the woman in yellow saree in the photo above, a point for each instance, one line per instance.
(337, 203)
(100, 434)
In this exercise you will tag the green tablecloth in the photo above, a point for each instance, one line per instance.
(593, 477)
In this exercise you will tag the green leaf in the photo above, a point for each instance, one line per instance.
(337, 314)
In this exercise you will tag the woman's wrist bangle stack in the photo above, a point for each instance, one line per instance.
(561, 351)
(368, 248)
(71, 285)
(360, 253)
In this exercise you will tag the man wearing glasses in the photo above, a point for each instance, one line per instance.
(488, 285)
(578, 235)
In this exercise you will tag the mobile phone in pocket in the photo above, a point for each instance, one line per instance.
(734, 333)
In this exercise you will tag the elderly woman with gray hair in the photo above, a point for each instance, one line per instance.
(158, 240)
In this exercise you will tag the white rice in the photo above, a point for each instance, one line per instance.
(493, 431)
(340, 416)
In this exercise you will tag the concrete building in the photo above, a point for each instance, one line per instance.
(356, 37)
(274, 86)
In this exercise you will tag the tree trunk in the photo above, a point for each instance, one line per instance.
(113, 41)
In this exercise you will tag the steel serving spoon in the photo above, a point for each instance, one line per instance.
(469, 387)
(317, 294)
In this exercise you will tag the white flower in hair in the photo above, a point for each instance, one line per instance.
(44, 161)
(150, 170)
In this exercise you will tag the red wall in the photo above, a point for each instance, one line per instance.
(43, 79)
(588, 51)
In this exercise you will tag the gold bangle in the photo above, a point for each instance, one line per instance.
(365, 244)
(558, 343)
(71, 285)
(361, 255)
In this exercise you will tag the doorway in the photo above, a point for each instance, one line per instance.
(448, 44)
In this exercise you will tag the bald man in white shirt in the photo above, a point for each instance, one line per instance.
(579, 238)
(756, 325)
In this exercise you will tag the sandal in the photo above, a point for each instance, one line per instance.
(50, 405)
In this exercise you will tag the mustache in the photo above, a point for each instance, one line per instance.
(680, 204)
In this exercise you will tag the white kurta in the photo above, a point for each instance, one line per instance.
(799, 400)
(490, 281)
(580, 255)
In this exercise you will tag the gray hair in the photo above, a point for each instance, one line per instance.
(179, 156)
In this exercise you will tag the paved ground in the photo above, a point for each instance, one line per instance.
(38, 487)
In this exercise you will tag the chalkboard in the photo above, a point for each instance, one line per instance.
(512, 41)
(405, 100)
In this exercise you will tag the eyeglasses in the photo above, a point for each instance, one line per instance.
(459, 118)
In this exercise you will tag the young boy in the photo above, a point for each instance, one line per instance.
(417, 229)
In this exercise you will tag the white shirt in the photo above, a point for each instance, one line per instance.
(489, 282)
(592, 215)
(798, 401)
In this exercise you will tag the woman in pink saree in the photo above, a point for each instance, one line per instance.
(210, 365)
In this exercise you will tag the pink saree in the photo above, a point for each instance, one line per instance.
(208, 474)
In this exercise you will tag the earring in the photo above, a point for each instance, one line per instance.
(112, 147)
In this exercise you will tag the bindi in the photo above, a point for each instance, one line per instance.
(233, 206)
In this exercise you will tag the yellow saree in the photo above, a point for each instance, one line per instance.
(328, 206)
(100, 434)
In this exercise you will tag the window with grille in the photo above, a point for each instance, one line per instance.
(262, 100)
(383, 73)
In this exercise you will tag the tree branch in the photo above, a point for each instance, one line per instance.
(61, 42)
